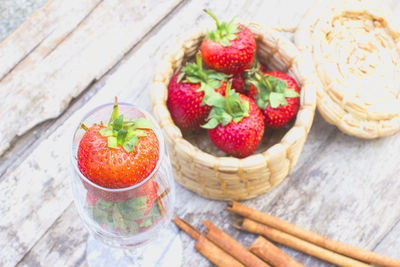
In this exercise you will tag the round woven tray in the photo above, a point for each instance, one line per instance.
(197, 164)
(355, 49)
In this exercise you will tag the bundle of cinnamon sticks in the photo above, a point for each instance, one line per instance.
(223, 250)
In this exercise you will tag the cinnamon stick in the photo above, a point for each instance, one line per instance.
(206, 247)
(231, 246)
(342, 248)
(214, 254)
(272, 254)
(187, 227)
(298, 244)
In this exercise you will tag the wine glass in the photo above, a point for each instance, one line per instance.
(124, 218)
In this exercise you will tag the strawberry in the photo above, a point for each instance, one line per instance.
(240, 82)
(277, 95)
(149, 190)
(229, 49)
(118, 155)
(235, 124)
(187, 94)
(91, 200)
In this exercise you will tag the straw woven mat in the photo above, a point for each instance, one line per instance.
(355, 49)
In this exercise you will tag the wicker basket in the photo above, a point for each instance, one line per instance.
(197, 164)
(355, 48)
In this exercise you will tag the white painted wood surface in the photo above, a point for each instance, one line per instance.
(41, 84)
(342, 187)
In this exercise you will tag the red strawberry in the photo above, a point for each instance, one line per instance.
(229, 49)
(149, 190)
(235, 124)
(118, 155)
(277, 95)
(91, 200)
(186, 94)
(239, 82)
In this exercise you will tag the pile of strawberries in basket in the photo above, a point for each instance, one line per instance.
(232, 95)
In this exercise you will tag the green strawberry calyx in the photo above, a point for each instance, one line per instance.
(124, 131)
(225, 109)
(127, 216)
(249, 74)
(225, 32)
(208, 79)
(271, 90)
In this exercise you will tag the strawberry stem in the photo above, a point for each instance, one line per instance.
(227, 97)
(267, 83)
(84, 127)
(115, 112)
(212, 15)
(199, 62)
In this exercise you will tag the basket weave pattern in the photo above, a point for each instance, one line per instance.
(224, 178)
(355, 51)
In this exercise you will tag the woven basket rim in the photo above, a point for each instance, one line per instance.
(350, 118)
(227, 162)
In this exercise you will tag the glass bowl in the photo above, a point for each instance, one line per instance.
(124, 217)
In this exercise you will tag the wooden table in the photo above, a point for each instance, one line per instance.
(71, 56)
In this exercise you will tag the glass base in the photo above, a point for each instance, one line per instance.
(166, 250)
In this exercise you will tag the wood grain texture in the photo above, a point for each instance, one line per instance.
(341, 187)
(42, 84)
(45, 26)
(67, 237)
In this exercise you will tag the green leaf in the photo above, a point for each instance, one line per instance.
(133, 227)
(261, 103)
(118, 219)
(237, 119)
(224, 32)
(130, 145)
(214, 84)
(101, 212)
(231, 36)
(124, 131)
(180, 77)
(121, 136)
(117, 124)
(225, 42)
(277, 99)
(193, 79)
(290, 93)
(143, 123)
(151, 217)
(213, 75)
(98, 215)
(277, 84)
(225, 119)
(106, 132)
(133, 209)
(112, 142)
(215, 100)
(211, 124)
(148, 221)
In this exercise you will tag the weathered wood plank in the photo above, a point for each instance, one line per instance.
(67, 237)
(13, 14)
(390, 243)
(43, 83)
(46, 22)
(34, 208)
(314, 196)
